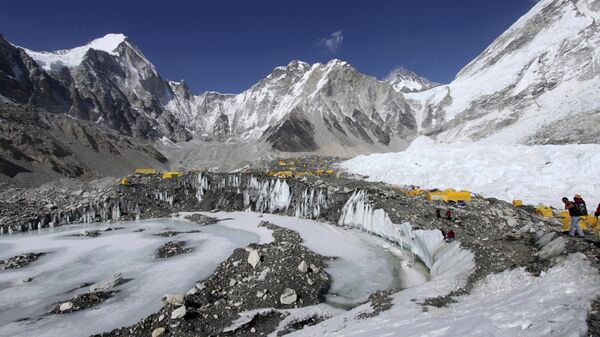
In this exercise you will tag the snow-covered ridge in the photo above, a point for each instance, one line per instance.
(73, 57)
(535, 77)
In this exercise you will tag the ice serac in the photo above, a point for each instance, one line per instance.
(428, 245)
(537, 83)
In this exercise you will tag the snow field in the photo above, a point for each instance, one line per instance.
(535, 174)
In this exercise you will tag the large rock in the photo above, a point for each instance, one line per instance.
(554, 248)
(66, 306)
(303, 267)
(253, 258)
(158, 332)
(288, 296)
(545, 239)
(108, 283)
(179, 312)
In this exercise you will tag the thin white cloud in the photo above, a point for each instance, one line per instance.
(332, 43)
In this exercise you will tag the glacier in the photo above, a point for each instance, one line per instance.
(535, 174)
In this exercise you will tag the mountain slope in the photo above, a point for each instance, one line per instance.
(37, 146)
(530, 82)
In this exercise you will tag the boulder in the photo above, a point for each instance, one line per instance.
(303, 267)
(288, 296)
(263, 274)
(179, 312)
(545, 239)
(66, 306)
(253, 258)
(554, 248)
(158, 332)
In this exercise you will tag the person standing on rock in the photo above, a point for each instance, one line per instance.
(574, 213)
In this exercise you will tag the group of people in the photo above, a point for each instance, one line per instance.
(577, 209)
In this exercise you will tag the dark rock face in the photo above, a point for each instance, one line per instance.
(23, 81)
(33, 140)
(294, 134)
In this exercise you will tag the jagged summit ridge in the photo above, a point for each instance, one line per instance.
(73, 57)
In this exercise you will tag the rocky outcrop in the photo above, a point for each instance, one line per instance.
(83, 302)
(172, 248)
(20, 261)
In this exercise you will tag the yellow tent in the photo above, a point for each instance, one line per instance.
(145, 171)
(449, 195)
(544, 211)
(172, 174)
(585, 222)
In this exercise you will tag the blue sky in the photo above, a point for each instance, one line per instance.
(229, 45)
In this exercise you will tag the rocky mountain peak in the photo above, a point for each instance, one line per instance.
(404, 80)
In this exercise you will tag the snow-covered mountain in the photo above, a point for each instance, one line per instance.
(300, 107)
(537, 77)
(108, 81)
(536, 83)
(404, 80)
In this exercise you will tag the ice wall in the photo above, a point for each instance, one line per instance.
(264, 195)
(310, 204)
(428, 245)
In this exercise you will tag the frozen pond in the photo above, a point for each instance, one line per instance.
(360, 267)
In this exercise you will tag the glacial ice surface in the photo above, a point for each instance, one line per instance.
(361, 266)
(74, 261)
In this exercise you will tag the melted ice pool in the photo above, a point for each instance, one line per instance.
(361, 267)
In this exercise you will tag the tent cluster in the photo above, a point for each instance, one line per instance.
(126, 181)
